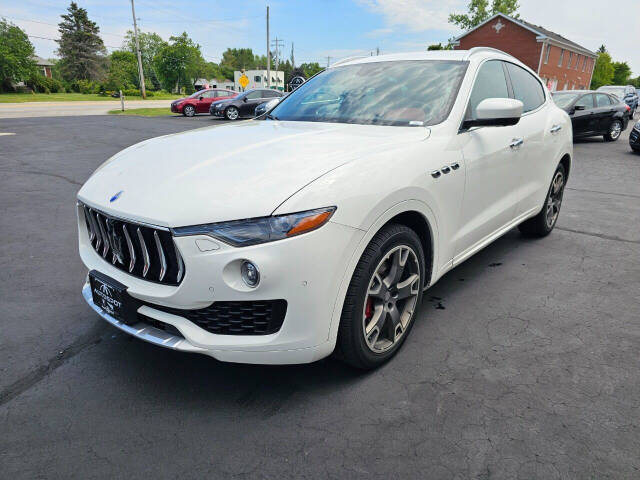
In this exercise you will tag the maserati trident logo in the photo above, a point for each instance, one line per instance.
(116, 196)
(106, 290)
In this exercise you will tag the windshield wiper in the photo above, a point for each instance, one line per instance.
(272, 117)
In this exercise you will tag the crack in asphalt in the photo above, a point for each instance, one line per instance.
(36, 376)
(629, 195)
(55, 175)
(599, 235)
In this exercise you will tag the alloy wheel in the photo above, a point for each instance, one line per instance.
(555, 199)
(391, 300)
(232, 113)
(189, 111)
(616, 129)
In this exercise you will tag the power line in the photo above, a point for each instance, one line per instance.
(56, 39)
(56, 25)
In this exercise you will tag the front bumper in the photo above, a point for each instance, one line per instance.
(176, 108)
(306, 271)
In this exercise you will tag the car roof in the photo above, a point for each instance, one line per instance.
(572, 91)
(451, 55)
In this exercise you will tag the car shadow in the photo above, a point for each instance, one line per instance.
(145, 369)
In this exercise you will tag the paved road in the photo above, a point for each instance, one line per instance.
(61, 109)
(531, 370)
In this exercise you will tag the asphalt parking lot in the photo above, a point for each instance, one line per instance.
(523, 362)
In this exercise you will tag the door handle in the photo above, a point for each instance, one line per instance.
(516, 142)
(556, 128)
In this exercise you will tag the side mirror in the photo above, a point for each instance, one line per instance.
(244, 99)
(579, 107)
(200, 97)
(496, 112)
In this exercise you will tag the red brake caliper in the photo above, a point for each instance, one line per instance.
(368, 310)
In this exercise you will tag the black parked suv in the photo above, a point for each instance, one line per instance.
(244, 105)
(594, 113)
(626, 93)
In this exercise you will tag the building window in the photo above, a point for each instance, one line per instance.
(546, 55)
(577, 61)
(257, 78)
(570, 58)
(561, 57)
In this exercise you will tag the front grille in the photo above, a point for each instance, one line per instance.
(143, 251)
(235, 318)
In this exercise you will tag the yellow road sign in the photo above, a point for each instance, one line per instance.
(243, 81)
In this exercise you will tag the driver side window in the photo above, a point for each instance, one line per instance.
(490, 83)
(254, 95)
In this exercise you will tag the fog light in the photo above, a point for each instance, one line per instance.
(250, 274)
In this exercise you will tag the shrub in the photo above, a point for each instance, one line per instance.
(40, 83)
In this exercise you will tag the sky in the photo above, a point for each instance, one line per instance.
(325, 28)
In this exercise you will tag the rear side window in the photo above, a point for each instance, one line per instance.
(526, 88)
(490, 83)
(586, 101)
(602, 100)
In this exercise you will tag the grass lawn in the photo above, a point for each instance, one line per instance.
(72, 97)
(144, 112)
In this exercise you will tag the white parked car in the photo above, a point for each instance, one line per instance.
(318, 228)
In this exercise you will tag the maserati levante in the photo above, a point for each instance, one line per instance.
(317, 229)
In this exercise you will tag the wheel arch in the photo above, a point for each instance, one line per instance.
(565, 161)
(413, 213)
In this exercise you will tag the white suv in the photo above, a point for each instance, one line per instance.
(318, 228)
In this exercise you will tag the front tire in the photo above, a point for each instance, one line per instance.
(615, 130)
(231, 113)
(189, 111)
(383, 296)
(542, 224)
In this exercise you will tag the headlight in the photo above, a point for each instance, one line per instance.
(242, 233)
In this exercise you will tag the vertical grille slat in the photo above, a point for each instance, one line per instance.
(132, 251)
(141, 250)
(145, 253)
(163, 260)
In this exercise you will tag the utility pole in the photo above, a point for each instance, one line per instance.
(293, 61)
(277, 44)
(268, 52)
(377, 51)
(143, 90)
(328, 61)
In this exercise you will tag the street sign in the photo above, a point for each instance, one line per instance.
(296, 82)
(243, 81)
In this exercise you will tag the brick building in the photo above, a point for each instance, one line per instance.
(561, 63)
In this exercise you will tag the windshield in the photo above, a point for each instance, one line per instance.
(400, 93)
(617, 91)
(564, 99)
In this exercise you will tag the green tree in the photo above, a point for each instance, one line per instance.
(150, 45)
(603, 70)
(81, 50)
(123, 71)
(479, 11)
(16, 52)
(178, 62)
(621, 73)
(310, 69)
(239, 58)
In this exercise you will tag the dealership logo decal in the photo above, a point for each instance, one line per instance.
(105, 289)
(116, 196)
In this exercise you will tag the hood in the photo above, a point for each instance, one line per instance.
(220, 102)
(229, 172)
(180, 100)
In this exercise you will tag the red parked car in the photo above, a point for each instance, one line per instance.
(200, 101)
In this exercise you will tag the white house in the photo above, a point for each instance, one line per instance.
(258, 79)
(201, 83)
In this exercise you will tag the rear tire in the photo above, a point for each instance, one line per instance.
(383, 297)
(542, 224)
(615, 130)
(189, 111)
